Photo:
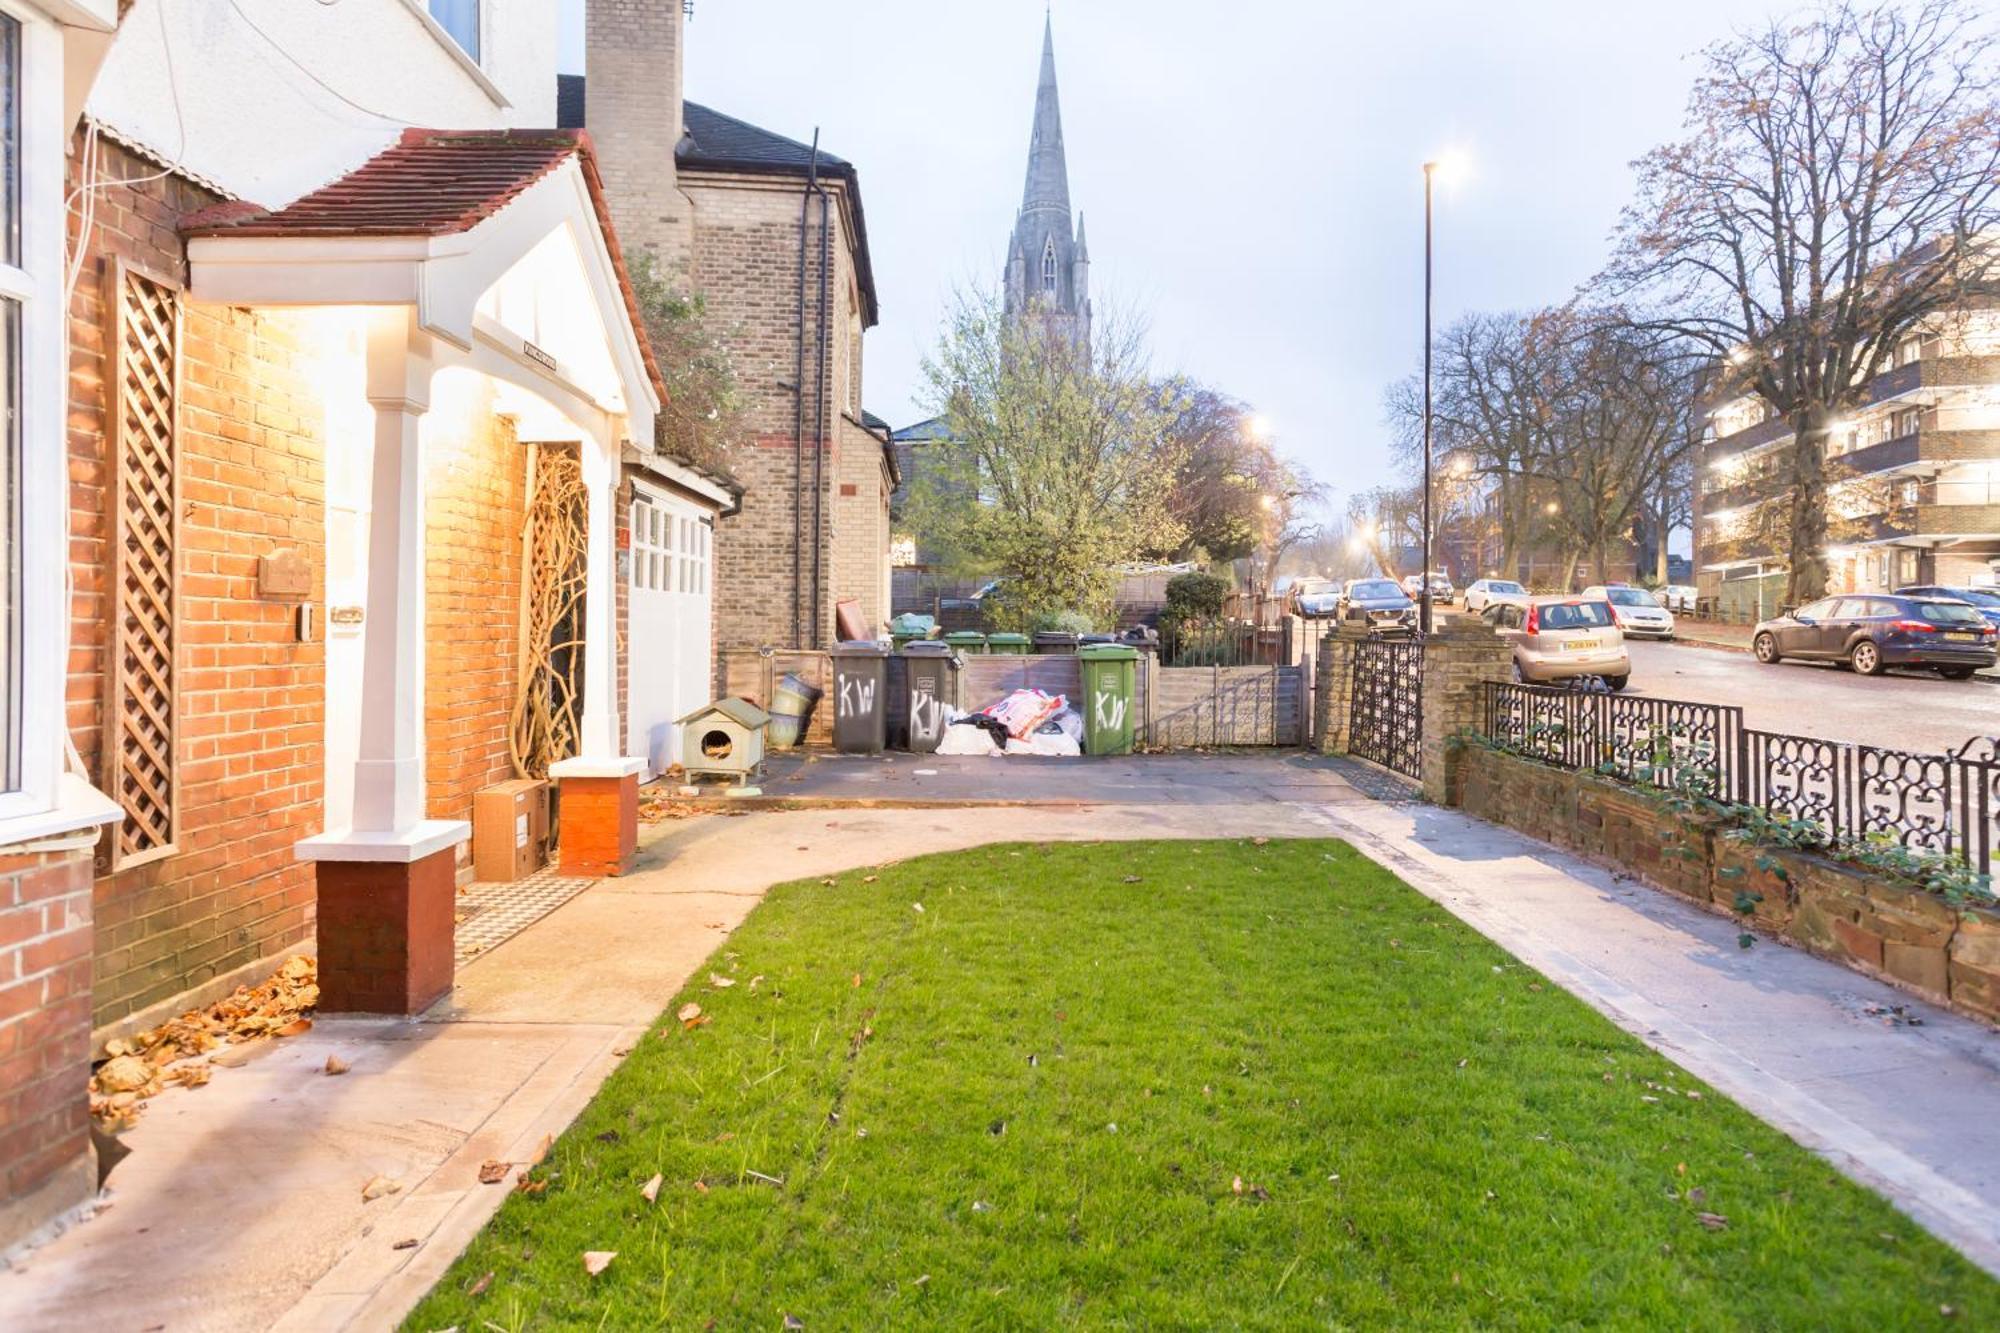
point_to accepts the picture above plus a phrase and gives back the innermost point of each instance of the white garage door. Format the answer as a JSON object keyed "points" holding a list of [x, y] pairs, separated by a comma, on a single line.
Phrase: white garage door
{"points": [[669, 619]]}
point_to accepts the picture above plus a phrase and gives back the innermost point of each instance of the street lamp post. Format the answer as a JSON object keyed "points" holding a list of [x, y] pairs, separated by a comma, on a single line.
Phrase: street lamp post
{"points": [[1424, 571]]}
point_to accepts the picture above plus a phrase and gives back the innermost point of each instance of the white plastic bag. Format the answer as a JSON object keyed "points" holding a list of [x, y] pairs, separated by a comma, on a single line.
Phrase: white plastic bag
{"points": [[967, 740]]}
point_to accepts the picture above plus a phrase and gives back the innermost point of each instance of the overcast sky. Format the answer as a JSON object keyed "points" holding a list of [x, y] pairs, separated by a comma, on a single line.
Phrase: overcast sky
{"points": [[1251, 172]]}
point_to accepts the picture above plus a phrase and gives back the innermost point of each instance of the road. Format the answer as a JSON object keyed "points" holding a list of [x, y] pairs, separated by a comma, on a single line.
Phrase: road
{"points": [[1904, 711]]}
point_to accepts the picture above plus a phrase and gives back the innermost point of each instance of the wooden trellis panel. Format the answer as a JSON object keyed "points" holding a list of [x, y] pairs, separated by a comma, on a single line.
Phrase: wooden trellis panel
{"points": [[142, 388]]}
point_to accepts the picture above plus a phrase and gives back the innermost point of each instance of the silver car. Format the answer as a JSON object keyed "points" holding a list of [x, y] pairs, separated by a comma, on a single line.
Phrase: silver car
{"points": [[1638, 612], [1563, 639], [1491, 592]]}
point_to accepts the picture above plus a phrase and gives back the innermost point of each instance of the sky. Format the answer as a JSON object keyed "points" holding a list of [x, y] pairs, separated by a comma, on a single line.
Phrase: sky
{"points": [[1251, 173]]}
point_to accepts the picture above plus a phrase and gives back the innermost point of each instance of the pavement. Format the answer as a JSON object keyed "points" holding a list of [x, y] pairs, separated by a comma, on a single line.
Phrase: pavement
{"points": [[241, 1208]]}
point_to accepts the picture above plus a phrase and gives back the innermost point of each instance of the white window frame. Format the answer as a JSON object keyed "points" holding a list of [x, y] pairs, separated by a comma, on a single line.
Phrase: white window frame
{"points": [[421, 11], [47, 801]]}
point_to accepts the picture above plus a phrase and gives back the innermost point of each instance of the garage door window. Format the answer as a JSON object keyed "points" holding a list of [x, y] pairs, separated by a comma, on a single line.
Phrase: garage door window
{"points": [[692, 544], [652, 551]]}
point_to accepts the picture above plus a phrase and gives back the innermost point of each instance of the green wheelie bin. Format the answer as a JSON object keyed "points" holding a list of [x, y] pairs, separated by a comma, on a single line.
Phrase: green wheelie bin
{"points": [[1110, 696]]}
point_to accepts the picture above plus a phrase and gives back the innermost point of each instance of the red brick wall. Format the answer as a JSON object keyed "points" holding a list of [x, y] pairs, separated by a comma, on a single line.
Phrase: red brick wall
{"points": [[251, 696], [474, 504], [44, 1024]]}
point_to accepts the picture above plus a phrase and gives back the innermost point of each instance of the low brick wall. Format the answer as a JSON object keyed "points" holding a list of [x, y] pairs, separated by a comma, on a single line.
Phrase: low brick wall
{"points": [[1916, 940]]}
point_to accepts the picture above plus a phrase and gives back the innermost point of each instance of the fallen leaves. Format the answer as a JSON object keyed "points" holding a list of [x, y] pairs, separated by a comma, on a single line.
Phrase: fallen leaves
{"points": [[334, 1065], [596, 1261], [479, 1288], [141, 1065], [1713, 1221], [721, 982], [690, 1016], [493, 1171], [378, 1186], [1243, 1191], [650, 1191]]}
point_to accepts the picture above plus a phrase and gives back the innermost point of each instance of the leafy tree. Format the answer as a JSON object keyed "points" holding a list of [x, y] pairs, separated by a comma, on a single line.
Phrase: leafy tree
{"points": [[1053, 475], [1837, 193], [702, 419], [1196, 596], [1234, 496]]}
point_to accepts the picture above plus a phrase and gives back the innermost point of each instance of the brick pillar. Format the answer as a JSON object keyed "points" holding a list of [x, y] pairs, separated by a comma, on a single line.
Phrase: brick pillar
{"points": [[600, 822], [1459, 658], [46, 1167], [1333, 697], [386, 933]]}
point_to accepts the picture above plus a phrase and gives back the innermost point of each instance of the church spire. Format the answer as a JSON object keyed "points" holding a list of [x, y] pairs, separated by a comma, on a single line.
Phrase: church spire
{"points": [[1047, 265], [1048, 172]]}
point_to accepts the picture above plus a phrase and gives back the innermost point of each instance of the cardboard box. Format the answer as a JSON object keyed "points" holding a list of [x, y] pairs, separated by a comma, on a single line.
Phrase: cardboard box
{"points": [[510, 830]]}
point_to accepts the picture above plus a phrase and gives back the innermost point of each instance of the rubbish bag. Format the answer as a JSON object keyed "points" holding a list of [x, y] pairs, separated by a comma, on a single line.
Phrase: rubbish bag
{"points": [[1024, 710], [967, 739]]}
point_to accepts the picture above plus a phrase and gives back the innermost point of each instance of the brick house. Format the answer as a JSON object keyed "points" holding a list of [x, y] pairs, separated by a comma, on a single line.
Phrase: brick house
{"points": [[771, 233], [319, 369]]}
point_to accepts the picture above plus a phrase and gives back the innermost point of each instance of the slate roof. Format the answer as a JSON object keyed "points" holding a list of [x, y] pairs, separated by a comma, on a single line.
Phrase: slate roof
{"points": [[714, 141], [436, 183]]}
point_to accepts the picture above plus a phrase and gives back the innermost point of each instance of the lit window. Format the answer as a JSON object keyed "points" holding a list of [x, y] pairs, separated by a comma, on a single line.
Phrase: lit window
{"points": [[460, 18]]}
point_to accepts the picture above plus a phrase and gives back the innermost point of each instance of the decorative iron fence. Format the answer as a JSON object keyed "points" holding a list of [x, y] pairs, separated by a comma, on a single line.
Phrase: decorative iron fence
{"points": [[1386, 711], [1948, 804]]}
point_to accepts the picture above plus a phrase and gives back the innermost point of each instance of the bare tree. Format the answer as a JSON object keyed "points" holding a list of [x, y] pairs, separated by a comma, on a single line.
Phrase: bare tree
{"points": [[1835, 194]]}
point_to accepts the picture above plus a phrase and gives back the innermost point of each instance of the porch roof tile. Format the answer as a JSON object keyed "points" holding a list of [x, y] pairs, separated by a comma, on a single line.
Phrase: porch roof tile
{"points": [[436, 183]]}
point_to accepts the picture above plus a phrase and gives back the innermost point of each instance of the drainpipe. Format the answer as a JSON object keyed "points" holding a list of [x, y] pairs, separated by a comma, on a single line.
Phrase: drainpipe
{"points": [[799, 403], [819, 398]]}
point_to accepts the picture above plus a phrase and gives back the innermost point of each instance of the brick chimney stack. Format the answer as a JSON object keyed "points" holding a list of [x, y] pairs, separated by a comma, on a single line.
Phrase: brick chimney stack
{"points": [[632, 107]]}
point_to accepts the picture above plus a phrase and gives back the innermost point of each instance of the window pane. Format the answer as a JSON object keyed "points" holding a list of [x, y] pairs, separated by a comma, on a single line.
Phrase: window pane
{"points": [[10, 546], [10, 140], [460, 18]]}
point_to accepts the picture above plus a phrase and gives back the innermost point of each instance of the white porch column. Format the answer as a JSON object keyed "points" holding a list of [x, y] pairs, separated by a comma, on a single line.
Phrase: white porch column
{"points": [[388, 821], [599, 789], [389, 775], [601, 739]]}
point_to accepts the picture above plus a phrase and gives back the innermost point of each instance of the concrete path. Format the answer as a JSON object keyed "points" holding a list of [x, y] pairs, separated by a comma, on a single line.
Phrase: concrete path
{"points": [[241, 1205]]}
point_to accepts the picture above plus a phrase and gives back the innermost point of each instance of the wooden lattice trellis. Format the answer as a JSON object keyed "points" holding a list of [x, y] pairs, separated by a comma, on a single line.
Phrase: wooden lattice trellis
{"points": [[140, 711], [548, 710]]}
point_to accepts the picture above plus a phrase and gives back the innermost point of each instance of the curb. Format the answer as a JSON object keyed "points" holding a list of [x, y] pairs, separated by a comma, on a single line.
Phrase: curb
{"points": [[709, 805]]}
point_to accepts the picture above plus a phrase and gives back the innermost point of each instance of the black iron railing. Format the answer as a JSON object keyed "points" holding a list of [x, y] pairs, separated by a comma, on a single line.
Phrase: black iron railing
{"points": [[1948, 804]]}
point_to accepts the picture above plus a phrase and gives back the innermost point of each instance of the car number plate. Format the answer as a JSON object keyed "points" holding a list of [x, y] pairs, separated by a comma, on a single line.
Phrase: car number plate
{"points": [[1961, 636], [1582, 646]]}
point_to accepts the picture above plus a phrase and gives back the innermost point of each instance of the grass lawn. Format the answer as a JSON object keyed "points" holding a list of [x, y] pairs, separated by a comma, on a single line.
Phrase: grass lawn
{"points": [[1171, 1085]]}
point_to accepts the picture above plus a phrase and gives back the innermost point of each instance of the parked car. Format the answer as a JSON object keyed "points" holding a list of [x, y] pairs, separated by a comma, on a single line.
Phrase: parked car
{"points": [[1562, 639], [1441, 589], [1489, 592], [1986, 600], [1638, 612], [1679, 598], [1315, 599], [1380, 605], [1873, 631]]}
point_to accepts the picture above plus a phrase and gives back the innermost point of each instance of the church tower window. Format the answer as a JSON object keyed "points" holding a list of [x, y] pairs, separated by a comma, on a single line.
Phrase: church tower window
{"points": [[1049, 264]]}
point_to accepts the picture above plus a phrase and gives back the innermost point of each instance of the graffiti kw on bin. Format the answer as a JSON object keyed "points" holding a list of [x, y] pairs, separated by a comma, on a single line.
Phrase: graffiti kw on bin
{"points": [[857, 697], [927, 715], [1109, 707]]}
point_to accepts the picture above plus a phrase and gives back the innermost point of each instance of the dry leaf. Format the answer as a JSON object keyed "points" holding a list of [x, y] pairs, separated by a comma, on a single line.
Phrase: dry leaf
{"points": [[479, 1288], [701, 1187], [492, 1172], [409, 1244], [869, 879], [918, 906], [335, 1065], [295, 1028], [651, 1189], [793, 1321], [689, 1015], [1259, 842], [756, 981], [857, 981], [596, 1261], [1713, 1221], [378, 1186], [126, 1073], [523, 1185], [1131, 879], [721, 983]]}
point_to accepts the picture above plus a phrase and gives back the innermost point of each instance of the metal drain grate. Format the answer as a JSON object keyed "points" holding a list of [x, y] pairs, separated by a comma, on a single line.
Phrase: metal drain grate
{"points": [[495, 913]]}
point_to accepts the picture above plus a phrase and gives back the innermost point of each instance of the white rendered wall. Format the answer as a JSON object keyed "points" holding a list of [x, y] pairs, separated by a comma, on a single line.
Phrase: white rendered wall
{"points": [[255, 123]]}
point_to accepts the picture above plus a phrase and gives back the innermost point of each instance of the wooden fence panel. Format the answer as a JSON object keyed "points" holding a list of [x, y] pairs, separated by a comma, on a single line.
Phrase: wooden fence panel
{"points": [[1202, 706]]}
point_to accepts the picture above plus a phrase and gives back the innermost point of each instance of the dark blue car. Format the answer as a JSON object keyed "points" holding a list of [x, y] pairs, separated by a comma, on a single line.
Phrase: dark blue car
{"points": [[1873, 631], [1987, 600]]}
